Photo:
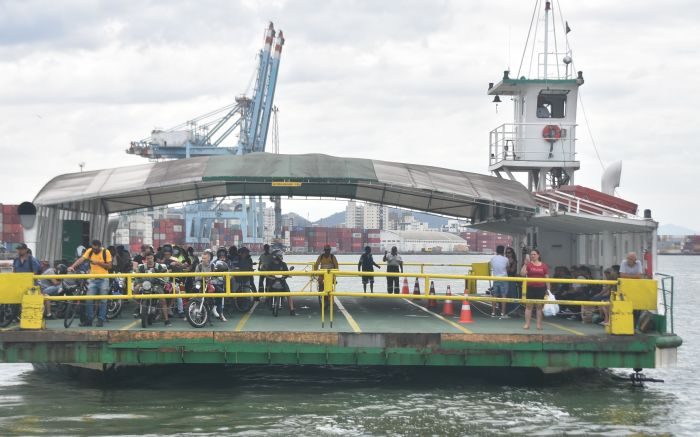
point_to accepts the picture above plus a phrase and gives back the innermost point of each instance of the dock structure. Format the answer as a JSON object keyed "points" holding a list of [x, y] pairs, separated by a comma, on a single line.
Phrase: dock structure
{"points": [[366, 332]]}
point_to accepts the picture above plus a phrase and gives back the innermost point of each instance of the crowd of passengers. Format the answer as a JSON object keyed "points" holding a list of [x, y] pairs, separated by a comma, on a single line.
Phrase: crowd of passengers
{"points": [[169, 258], [505, 264], [172, 258]]}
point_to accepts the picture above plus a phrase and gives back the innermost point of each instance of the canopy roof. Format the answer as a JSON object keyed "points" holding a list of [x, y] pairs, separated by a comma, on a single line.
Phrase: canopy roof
{"points": [[418, 187]]}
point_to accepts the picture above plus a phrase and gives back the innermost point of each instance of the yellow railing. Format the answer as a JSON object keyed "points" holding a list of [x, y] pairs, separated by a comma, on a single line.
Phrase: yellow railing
{"points": [[628, 287]]}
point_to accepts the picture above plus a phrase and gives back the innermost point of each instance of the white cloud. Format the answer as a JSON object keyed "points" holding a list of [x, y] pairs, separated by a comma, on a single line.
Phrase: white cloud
{"points": [[385, 80]]}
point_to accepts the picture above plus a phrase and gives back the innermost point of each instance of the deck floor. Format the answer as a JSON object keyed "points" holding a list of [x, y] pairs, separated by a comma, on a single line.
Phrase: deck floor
{"points": [[357, 315]]}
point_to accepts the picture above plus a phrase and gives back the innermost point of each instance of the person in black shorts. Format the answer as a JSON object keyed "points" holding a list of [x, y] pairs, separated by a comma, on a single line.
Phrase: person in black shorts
{"points": [[367, 264]]}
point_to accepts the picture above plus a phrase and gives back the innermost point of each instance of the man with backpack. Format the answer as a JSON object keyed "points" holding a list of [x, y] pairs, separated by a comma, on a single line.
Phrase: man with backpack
{"points": [[100, 261]]}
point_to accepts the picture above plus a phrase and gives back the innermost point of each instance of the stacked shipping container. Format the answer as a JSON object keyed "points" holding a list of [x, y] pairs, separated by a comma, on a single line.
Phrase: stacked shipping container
{"points": [[10, 229], [168, 231]]}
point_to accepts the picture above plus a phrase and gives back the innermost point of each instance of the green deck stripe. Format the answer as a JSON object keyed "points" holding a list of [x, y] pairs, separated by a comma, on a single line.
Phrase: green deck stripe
{"points": [[244, 319], [449, 322]]}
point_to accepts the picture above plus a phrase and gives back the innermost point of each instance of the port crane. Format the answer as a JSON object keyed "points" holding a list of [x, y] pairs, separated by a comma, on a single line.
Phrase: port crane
{"points": [[206, 135]]}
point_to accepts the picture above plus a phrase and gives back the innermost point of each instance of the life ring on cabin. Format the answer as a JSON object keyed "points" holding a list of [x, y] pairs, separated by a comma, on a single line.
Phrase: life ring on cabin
{"points": [[551, 133]]}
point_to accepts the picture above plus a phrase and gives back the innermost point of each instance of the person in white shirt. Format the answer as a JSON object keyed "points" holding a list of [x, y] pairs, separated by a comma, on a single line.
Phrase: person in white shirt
{"points": [[394, 264], [631, 267], [499, 268]]}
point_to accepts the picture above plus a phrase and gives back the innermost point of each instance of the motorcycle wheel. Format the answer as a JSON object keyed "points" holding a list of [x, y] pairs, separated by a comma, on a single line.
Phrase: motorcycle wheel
{"points": [[69, 315], [197, 314], [243, 304], [114, 308], [143, 311]]}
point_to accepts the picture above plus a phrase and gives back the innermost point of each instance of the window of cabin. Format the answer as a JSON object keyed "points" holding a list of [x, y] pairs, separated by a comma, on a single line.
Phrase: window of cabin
{"points": [[551, 106]]}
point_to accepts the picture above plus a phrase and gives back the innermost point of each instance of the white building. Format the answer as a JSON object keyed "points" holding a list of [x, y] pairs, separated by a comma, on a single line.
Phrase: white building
{"points": [[423, 241], [455, 226], [354, 215], [376, 216], [409, 223], [268, 224]]}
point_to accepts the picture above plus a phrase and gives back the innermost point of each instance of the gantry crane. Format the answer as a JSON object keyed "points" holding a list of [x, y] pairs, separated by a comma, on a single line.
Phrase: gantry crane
{"points": [[205, 135]]}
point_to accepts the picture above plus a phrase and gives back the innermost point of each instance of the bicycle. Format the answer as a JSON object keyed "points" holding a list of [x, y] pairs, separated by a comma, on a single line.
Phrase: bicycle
{"points": [[75, 308]]}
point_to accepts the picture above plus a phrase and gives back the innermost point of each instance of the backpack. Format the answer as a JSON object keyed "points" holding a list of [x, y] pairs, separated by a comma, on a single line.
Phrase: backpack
{"points": [[104, 257]]}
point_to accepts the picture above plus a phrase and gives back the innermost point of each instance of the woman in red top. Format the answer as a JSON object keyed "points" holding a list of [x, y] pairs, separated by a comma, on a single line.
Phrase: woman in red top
{"points": [[535, 268]]}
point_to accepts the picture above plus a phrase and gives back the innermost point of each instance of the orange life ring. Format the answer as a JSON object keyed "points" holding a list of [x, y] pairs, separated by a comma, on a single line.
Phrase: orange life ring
{"points": [[551, 133]]}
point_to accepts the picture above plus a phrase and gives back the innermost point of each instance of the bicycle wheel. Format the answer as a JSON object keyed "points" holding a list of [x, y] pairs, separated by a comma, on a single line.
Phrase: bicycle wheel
{"points": [[69, 315]]}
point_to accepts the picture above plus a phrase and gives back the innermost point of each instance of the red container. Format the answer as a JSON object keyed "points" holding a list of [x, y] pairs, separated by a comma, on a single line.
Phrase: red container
{"points": [[8, 219], [9, 209]]}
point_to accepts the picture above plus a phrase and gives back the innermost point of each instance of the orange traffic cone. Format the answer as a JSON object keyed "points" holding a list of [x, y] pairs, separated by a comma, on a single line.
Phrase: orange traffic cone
{"points": [[448, 309], [404, 289], [432, 303], [416, 289], [466, 315]]}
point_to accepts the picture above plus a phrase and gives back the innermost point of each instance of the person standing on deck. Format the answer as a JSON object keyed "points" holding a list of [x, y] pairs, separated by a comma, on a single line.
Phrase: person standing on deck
{"points": [[325, 261], [263, 263], [367, 264], [499, 268], [100, 261], [631, 267], [535, 268], [394, 264]]}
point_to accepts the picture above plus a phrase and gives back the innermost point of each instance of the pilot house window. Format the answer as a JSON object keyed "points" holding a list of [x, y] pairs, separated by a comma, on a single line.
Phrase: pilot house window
{"points": [[551, 106]]}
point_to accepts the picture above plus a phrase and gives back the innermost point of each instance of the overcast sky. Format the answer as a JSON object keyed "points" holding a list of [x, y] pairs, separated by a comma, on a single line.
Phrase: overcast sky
{"points": [[394, 80]]}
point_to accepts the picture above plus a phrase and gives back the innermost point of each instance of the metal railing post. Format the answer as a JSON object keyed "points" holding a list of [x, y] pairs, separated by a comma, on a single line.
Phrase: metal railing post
{"points": [[328, 289]]}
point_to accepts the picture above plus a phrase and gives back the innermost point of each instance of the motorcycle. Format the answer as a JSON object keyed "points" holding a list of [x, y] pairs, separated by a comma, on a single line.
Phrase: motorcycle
{"points": [[114, 306], [277, 284], [240, 304], [199, 309], [149, 309]]}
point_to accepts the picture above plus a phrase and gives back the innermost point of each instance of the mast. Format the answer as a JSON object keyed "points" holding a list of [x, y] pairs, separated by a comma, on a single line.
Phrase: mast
{"points": [[547, 8]]}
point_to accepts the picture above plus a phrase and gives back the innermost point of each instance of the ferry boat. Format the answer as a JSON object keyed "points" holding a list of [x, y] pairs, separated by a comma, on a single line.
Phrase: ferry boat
{"points": [[571, 224]]}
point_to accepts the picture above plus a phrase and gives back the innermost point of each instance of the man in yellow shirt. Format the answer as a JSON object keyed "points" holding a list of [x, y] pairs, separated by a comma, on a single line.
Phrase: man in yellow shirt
{"points": [[100, 262]]}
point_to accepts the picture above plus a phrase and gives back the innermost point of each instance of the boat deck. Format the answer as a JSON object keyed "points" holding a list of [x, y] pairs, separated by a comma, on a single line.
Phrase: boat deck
{"points": [[365, 332], [356, 315]]}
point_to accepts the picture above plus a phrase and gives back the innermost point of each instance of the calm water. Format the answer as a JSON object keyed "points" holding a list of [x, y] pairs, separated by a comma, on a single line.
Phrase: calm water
{"points": [[319, 401]]}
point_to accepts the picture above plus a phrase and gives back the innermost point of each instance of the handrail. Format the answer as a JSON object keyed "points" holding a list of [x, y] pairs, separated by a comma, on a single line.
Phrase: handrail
{"points": [[668, 306], [329, 279]]}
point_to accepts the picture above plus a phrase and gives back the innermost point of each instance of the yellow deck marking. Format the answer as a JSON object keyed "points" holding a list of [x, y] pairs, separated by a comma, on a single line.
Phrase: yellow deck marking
{"points": [[130, 325], [246, 316], [564, 328], [353, 324], [449, 322], [9, 328]]}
